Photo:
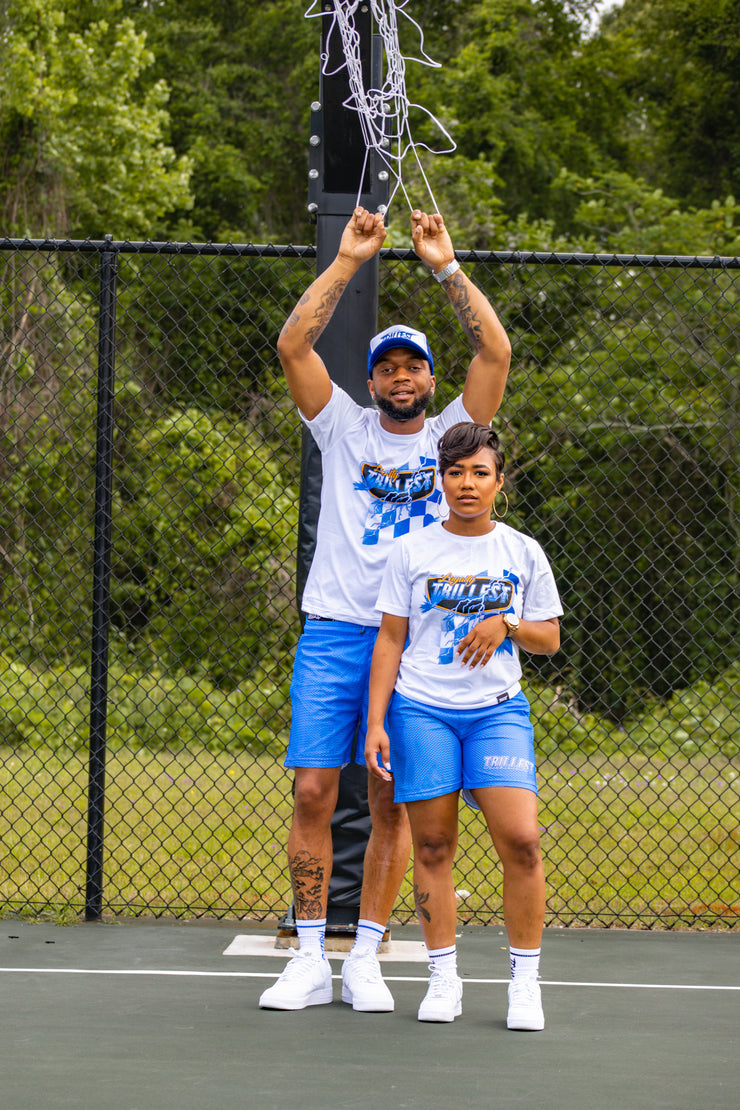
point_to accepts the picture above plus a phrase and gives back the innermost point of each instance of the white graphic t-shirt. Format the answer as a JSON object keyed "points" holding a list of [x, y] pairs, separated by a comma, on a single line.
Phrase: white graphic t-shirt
{"points": [[377, 486], [445, 584]]}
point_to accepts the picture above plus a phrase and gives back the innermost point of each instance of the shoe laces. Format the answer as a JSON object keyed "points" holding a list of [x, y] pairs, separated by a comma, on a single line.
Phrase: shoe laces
{"points": [[441, 983], [525, 990], [366, 968], [300, 964]]}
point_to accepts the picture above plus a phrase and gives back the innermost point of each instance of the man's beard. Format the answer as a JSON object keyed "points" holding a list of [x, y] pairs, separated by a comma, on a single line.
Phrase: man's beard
{"points": [[408, 412]]}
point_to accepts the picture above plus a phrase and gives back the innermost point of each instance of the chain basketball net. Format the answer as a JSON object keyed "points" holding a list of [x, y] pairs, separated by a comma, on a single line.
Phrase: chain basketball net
{"points": [[383, 112]]}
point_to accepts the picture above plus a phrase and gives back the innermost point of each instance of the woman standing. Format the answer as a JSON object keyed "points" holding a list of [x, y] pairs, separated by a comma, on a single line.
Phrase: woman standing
{"points": [[469, 593]]}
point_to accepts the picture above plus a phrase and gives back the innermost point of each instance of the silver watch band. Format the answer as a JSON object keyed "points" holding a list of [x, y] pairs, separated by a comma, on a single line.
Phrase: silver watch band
{"points": [[450, 269]]}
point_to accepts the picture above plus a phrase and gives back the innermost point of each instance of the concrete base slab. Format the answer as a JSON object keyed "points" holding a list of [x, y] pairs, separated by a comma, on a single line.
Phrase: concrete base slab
{"points": [[255, 944]]}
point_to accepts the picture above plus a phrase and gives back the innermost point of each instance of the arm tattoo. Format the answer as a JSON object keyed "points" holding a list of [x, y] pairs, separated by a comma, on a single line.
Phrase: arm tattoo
{"points": [[459, 298], [322, 312], [295, 315], [307, 876], [421, 897]]}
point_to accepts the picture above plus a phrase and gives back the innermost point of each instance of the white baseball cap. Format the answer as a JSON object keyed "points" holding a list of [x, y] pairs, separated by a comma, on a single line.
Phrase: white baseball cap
{"points": [[397, 335]]}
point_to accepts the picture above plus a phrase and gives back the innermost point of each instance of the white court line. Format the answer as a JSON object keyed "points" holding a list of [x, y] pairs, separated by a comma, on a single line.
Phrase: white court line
{"points": [[630, 986], [388, 978]]}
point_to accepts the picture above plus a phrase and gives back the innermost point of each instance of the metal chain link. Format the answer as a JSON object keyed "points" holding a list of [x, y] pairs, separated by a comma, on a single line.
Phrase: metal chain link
{"points": [[620, 424]]}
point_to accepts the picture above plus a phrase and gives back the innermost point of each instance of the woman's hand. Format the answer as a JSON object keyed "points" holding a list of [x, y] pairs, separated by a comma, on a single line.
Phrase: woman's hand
{"points": [[377, 744], [478, 646], [536, 637]]}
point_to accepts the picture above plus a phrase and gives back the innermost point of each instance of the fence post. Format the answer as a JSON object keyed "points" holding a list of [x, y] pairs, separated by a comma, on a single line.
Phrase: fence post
{"points": [[101, 583]]}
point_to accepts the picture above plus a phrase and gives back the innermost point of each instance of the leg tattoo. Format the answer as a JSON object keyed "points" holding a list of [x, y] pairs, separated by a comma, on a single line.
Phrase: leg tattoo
{"points": [[307, 876], [421, 897]]}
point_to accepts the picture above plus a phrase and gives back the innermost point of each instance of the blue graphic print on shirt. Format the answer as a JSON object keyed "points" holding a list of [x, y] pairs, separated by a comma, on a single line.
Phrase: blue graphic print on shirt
{"points": [[400, 498], [467, 600]]}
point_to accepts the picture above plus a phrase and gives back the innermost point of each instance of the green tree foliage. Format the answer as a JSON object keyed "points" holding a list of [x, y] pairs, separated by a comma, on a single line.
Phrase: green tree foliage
{"points": [[622, 415], [47, 345], [113, 112], [204, 528], [82, 136], [682, 75], [619, 213], [203, 330], [526, 94], [242, 75], [530, 94]]}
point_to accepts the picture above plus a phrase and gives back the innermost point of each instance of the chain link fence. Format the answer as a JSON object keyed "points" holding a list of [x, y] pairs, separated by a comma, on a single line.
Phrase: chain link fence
{"points": [[154, 746]]}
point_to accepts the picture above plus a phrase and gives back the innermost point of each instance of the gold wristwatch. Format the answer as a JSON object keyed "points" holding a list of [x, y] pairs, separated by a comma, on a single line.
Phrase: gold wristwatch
{"points": [[511, 620]]}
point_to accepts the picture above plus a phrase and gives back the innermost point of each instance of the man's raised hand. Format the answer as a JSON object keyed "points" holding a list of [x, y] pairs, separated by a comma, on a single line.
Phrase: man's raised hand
{"points": [[363, 236], [431, 240]]}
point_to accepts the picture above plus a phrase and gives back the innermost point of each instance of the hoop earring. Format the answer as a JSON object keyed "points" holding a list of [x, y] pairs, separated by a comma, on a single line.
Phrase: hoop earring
{"points": [[501, 516]]}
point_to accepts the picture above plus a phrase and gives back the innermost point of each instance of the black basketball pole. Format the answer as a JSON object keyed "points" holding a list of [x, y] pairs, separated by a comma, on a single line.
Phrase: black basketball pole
{"points": [[337, 157]]}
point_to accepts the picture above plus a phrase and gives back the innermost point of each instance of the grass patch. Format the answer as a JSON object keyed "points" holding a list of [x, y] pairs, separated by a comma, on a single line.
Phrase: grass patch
{"points": [[185, 832], [638, 824]]}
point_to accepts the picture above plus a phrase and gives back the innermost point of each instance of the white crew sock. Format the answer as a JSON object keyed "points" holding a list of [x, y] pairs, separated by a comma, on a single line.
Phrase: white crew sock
{"points": [[444, 959], [525, 962], [311, 935], [368, 937]]}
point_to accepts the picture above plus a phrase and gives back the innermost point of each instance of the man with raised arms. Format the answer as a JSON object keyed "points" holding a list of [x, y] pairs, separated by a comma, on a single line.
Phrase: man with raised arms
{"points": [[379, 483]]}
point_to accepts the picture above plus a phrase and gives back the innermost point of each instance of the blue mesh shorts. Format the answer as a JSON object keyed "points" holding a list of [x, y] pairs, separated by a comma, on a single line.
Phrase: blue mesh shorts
{"points": [[436, 751], [328, 694]]}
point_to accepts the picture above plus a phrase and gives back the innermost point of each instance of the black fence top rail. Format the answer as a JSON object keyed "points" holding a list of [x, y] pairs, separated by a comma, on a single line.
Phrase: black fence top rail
{"points": [[147, 246], [273, 250]]}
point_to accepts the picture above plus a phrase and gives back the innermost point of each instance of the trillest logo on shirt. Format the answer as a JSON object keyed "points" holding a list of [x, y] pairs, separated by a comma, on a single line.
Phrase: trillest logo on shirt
{"points": [[470, 593], [402, 498], [398, 485], [467, 599]]}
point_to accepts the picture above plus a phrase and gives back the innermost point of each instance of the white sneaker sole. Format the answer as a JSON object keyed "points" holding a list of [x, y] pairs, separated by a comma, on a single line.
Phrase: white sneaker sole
{"points": [[524, 1025], [439, 1015], [379, 1006], [320, 997]]}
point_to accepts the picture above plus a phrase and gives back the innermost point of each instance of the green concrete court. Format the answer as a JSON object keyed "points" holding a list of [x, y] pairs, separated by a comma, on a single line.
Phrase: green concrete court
{"points": [[148, 1016]]}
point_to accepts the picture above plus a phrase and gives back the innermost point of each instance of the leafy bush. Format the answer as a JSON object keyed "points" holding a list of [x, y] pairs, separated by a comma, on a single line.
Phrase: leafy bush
{"points": [[560, 726], [203, 547], [146, 710], [159, 708], [705, 719], [701, 720]]}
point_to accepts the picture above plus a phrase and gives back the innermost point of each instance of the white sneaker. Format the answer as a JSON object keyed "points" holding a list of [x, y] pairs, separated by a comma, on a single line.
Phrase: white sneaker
{"points": [[363, 986], [525, 1005], [306, 981], [443, 1001]]}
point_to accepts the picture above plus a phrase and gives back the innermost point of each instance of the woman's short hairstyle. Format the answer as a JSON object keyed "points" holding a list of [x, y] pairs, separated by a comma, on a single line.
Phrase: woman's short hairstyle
{"points": [[465, 439]]}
